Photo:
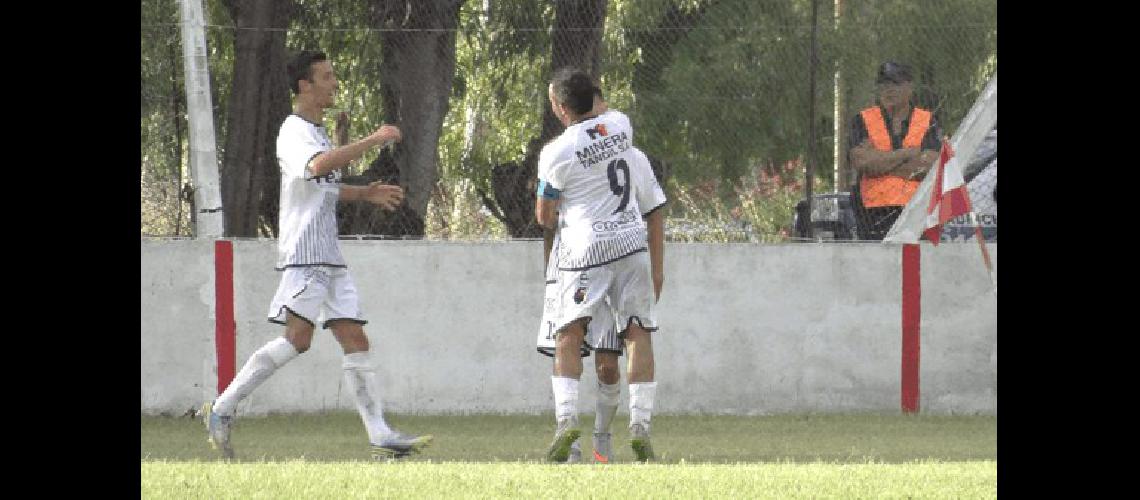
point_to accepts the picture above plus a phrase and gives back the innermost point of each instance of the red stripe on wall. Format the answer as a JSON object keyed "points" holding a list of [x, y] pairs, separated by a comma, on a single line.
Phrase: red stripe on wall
{"points": [[224, 325], [911, 306]]}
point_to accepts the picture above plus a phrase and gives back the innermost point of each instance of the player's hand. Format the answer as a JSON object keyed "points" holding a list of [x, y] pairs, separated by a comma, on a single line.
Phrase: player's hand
{"points": [[388, 196], [658, 280], [386, 134]]}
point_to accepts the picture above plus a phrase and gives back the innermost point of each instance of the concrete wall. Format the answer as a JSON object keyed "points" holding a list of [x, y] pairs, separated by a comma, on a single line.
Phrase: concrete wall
{"points": [[746, 329]]}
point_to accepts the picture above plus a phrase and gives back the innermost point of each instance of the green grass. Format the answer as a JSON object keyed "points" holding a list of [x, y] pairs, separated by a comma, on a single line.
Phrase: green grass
{"points": [[493, 456]]}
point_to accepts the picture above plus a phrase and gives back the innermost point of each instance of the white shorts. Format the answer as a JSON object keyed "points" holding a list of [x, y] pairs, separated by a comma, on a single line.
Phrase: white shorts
{"points": [[625, 286], [316, 294], [601, 331]]}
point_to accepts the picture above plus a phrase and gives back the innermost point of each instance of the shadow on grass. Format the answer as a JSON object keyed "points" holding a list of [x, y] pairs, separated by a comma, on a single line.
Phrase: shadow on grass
{"points": [[830, 438]]}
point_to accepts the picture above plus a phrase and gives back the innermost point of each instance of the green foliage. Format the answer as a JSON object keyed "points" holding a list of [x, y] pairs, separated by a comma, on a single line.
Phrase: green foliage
{"points": [[951, 45], [756, 207], [736, 92], [496, 108], [729, 89], [163, 130], [455, 212], [343, 31]]}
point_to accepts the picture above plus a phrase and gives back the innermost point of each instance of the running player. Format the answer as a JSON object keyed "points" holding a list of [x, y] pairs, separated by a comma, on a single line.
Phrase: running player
{"points": [[315, 284]]}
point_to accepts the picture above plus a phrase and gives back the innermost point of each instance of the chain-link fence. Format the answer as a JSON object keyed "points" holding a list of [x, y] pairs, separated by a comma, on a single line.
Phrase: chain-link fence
{"points": [[745, 106]]}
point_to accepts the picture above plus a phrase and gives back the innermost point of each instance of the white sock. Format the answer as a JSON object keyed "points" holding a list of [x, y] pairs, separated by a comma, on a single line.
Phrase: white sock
{"points": [[257, 369], [641, 403], [360, 376], [565, 397], [606, 407]]}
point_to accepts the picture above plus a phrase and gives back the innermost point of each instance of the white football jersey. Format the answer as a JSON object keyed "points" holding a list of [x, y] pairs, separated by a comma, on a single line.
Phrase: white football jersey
{"points": [[606, 186], [307, 219]]}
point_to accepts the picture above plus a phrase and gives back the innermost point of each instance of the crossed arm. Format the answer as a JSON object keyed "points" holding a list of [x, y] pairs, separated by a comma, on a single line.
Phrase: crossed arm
{"points": [[905, 162]]}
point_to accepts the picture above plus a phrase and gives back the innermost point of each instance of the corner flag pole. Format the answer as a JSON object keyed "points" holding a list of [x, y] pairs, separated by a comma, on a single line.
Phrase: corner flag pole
{"points": [[982, 245]]}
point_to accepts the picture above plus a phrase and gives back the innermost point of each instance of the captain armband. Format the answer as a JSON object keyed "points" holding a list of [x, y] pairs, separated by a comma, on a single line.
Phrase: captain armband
{"points": [[545, 190]]}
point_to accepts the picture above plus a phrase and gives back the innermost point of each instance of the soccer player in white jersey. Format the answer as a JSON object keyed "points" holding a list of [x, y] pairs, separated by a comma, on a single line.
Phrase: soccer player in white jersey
{"points": [[602, 197], [315, 285], [601, 337]]}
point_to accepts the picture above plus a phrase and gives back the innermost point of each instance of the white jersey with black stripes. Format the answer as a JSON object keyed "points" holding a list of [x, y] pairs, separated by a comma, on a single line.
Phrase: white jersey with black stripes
{"points": [[605, 186], [307, 218]]}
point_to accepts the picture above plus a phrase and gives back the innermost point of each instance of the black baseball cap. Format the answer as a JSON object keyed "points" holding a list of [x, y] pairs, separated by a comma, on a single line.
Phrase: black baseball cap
{"points": [[894, 72]]}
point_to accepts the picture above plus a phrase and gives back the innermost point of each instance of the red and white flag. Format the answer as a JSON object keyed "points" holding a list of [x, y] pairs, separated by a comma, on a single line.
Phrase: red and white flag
{"points": [[948, 202], [937, 200]]}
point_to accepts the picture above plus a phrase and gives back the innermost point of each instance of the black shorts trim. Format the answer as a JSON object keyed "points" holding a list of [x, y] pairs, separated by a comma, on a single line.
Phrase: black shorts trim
{"points": [[591, 266], [287, 308], [354, 320], [549, 351], [621, 334], [287, 266], [309, 162]]}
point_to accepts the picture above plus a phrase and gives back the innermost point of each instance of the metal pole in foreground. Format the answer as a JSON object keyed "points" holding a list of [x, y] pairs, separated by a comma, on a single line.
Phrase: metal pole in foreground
{"points": [[209, 221], [809, 171]]}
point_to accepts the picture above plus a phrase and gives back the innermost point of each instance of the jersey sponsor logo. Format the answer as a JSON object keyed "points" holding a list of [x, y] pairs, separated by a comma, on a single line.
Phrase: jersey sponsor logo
{"points": [[603, 149], [331, 178], [626, 220], [583, 282], [600, 129]]}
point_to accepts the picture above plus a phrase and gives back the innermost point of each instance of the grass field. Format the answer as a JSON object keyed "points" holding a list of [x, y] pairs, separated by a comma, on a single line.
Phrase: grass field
{"points": [[492, 456]]}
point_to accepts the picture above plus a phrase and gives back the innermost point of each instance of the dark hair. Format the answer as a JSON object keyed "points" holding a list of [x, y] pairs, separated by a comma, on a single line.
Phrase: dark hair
{"points": [[300, 67], [574, 88]]}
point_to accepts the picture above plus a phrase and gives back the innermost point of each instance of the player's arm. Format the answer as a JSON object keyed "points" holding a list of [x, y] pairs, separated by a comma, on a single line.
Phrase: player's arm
{"points": [[655, 223], [549, 193], [546, 205], [387, 196], [650, 199], [547, 244], [333, 159]]}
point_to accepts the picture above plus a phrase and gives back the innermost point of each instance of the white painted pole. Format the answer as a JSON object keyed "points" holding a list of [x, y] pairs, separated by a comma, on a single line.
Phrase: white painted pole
{"points": [[209, 221], [837, 183]]}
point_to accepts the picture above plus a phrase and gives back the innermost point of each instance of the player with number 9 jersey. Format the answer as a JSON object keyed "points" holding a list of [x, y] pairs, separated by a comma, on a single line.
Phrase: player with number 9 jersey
{"points": [[605, 186]]}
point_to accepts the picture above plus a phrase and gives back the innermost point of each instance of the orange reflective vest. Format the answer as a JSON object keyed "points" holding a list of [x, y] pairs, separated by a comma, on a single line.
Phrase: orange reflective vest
{"points": [[891, 190]]}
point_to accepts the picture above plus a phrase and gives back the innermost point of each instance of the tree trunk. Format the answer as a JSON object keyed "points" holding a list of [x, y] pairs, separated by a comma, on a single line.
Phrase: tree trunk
{"points": [[575, 41], [258, 104], [416, 74]]}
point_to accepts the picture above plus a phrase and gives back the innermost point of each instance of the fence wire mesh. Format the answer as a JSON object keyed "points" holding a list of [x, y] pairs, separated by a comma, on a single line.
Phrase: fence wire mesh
{"points": [[744, 106]]}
